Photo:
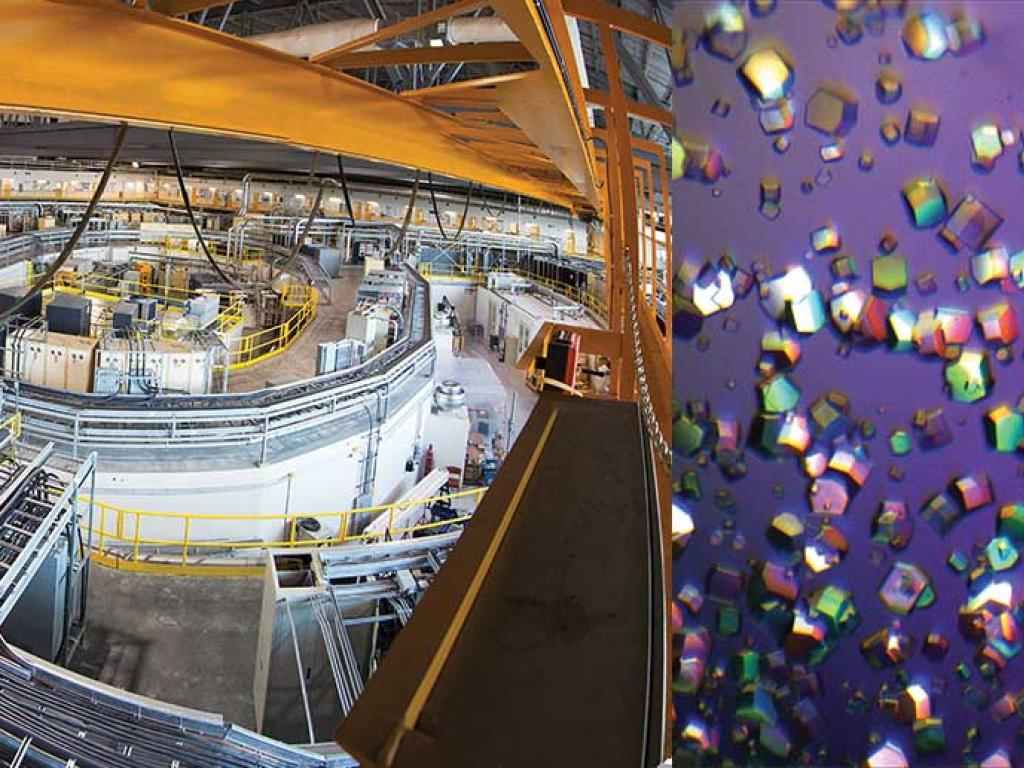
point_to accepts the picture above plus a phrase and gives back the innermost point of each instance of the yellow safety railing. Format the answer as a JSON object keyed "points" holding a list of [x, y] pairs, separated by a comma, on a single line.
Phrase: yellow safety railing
{"points": [[12, 424], [457, 272], [108, 287], [119, 539], [266, 343]]}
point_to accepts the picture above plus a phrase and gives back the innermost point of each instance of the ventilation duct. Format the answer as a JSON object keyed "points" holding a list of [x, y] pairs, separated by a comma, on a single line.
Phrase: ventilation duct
{"points": [[316, 38], [486, 30]]}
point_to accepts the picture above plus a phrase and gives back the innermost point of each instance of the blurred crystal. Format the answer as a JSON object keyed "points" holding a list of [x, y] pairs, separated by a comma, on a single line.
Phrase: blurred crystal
{"points": [[887, 647], [965, 34], [786, 531], [925, 201], [941, 513], [892, 524], [1010, 522], [771, 197], [831, 152], [924, 35], [700, 161], [776, 117], [890, 131], [887, 755], [825, 239], [998, 758], [725, 33], [682, 525], [692, 660], [922, 128], [767, 74], [888, 86]]}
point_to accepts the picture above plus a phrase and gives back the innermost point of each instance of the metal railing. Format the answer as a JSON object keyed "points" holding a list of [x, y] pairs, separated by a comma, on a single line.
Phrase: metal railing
{"points": [[435, 271], [266, 343], [120, 539], [82, 422]]}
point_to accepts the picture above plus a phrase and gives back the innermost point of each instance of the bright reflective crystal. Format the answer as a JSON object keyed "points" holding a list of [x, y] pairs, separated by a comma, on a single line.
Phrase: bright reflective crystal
{"points": [[778, 394], [786, 531], [889, 273], [1004, 428], [808, 314], [986, 146], [969, 377], [831, 110], [767, 74], [846, 310], [924, 35], [836, 606], [713, 290], [956, 324], [990, 266], [999, 322], [887, 755], [682, 525], [972, 491], [925, 200], [825, 239], [922, 128], [725, 33], [901, 329], [970, 225], [784, 350]]}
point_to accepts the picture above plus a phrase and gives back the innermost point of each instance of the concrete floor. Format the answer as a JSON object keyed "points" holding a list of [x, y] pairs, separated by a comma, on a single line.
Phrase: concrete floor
{"points": [[299, 362], [187, 641]]}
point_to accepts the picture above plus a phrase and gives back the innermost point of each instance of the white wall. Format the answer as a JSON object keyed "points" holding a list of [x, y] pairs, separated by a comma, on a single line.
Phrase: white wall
{"points": [[461, 294], [326, 479]]}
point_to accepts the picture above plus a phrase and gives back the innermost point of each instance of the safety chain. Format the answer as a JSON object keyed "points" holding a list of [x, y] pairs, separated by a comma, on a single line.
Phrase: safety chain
{"points": [[662, 447]]}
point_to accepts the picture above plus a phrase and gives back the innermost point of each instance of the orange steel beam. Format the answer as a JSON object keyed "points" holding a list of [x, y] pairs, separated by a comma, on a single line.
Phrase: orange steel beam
{"points": [[179, 7], [464, 85], [631, 23], [635, 108], [400, 28], [466, 52], [143, 68], [547, 108]]}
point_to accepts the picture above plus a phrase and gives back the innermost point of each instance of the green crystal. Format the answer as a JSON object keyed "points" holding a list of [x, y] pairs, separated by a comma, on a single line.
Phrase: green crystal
{"points": [[899, 442]]}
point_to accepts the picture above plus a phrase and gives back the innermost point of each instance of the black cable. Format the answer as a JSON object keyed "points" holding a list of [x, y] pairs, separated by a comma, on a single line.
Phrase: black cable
{"points": [[344, 189], [433, 205], [191, 214], [408, 216], [309, 220], [69, 247], [437, 215]]}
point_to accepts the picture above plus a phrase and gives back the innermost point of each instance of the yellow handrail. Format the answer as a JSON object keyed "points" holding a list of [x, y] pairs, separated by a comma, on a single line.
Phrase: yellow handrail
{"points": [[118, 537], [475, 274], [266, 343]]}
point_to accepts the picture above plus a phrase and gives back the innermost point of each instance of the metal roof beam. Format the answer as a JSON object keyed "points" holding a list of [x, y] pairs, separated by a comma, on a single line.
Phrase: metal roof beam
{"points": [[124, 64]]}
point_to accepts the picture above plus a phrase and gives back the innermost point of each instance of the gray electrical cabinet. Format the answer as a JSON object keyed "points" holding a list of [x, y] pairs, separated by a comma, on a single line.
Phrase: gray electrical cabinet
{"points": [[48, 606]]}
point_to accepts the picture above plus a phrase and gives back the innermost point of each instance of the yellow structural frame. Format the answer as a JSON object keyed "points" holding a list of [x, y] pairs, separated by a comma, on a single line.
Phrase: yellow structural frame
{"points": [[122, 527], [129, 64]]}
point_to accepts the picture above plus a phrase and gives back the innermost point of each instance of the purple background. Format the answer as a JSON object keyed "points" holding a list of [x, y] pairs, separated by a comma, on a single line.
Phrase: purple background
{"points": [[885, 387]]}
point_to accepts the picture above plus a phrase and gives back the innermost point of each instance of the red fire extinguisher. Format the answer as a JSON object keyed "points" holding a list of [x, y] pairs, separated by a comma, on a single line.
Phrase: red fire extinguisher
{"points": [[428, 460]]}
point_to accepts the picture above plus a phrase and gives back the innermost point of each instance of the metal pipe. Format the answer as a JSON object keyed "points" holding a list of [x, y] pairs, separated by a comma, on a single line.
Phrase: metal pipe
{"points": [[310, 40]]}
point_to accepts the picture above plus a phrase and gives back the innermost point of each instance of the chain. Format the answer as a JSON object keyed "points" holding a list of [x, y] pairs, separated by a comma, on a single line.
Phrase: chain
{"points": [[662, 447]]}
